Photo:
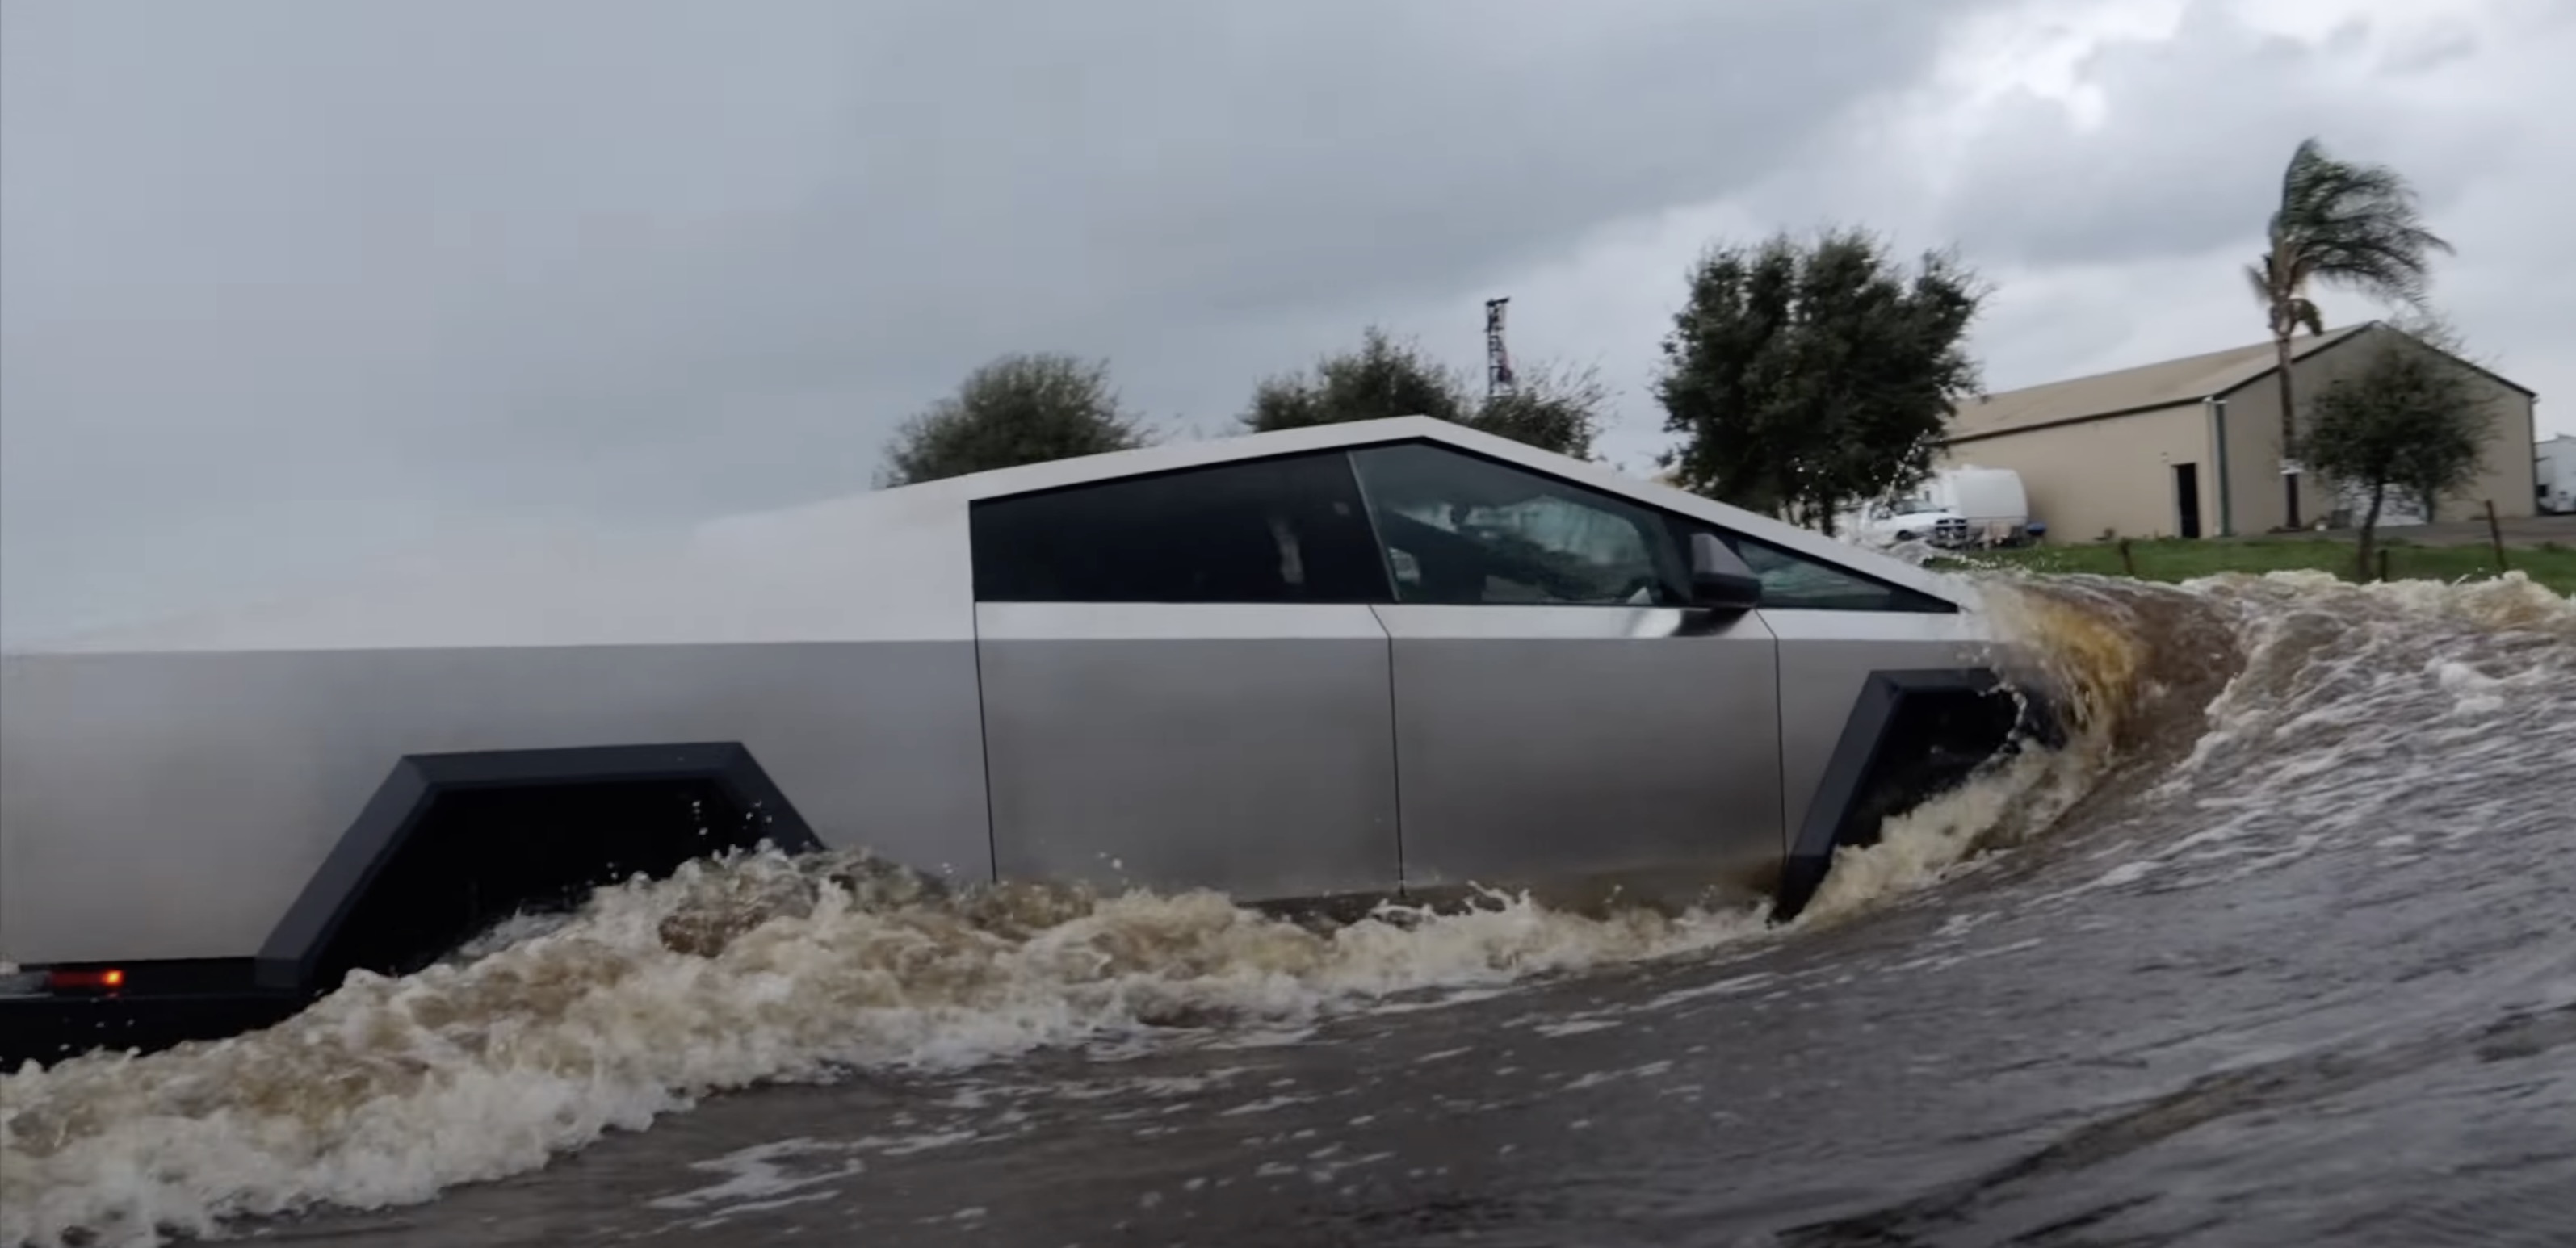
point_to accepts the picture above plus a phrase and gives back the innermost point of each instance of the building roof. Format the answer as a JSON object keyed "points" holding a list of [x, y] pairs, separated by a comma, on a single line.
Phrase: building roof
{"points": [[2141, 389]]}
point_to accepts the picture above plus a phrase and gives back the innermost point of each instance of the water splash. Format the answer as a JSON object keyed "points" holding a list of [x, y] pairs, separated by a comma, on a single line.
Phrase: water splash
{"points": [[756, 969], [2239, 694], [2091, 649], [2415, 715]]}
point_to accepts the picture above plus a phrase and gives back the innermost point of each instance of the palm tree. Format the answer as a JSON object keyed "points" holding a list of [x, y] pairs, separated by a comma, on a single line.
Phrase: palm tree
{"points": [[2339, 224]]}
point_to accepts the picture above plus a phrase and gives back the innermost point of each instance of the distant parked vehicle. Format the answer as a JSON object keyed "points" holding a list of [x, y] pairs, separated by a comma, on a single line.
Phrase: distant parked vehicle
{"points": [[1959, 507], [2554, 472], [2398, 509]]}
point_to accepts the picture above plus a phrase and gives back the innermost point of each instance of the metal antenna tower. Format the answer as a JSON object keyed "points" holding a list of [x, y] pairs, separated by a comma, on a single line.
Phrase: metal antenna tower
{"points": [[1498, 361]]}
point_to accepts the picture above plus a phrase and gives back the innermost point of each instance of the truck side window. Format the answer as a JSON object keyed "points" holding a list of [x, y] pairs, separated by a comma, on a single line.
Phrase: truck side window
{"points": [[1796, 582], [1282, 530], [1460, 529]]}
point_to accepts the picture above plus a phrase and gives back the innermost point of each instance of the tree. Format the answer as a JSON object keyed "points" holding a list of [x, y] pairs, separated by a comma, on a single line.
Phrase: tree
{"points": [[1804, 378], [2410, 420], [1382, 378], [1016, 409], [1552, 409], [2338, 224], [1549, 407], [2435, 330]]}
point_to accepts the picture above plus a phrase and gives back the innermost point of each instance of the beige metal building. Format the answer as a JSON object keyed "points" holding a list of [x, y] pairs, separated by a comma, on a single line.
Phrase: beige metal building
{"points": [[2192, 447]]}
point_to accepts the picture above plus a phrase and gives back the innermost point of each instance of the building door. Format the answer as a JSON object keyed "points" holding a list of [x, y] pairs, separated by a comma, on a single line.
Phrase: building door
{"points": [[2187, 499]]}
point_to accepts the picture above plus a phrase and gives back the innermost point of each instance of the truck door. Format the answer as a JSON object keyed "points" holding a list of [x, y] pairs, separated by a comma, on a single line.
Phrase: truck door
{"points": [[1183, 682], [1560, 713]]}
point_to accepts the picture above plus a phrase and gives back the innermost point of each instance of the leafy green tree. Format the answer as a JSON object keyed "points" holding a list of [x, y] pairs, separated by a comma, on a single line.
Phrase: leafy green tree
{"points": [[1551, 409], [1805, 377], [2344, 224], [2412, 421], [1016, 409], [1382, 378], [2431, 328]]}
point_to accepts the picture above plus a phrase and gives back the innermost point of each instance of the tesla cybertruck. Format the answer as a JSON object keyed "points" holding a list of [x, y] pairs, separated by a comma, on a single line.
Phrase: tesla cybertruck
{"points": [[1370, 660]]}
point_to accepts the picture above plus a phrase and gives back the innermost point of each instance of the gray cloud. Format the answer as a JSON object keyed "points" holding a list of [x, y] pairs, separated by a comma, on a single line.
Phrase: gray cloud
{"points": [[658, 258], [285, 285], [2194, 137], [2123, 241]]}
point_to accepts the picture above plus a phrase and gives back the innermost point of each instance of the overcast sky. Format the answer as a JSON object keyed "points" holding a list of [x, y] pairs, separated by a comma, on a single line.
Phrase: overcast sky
{"points": [[286, 287]]}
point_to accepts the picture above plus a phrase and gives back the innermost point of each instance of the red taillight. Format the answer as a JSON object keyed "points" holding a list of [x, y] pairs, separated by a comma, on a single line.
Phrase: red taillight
{"points": [[108, 980]]}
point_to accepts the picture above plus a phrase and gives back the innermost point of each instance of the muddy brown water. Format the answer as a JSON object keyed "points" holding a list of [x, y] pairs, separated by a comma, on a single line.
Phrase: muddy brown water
{"points": [[2281, 954]]}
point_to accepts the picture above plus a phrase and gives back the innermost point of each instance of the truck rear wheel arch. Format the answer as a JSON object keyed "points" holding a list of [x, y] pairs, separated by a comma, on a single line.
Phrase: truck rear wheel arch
{"points": [[453, 842]]}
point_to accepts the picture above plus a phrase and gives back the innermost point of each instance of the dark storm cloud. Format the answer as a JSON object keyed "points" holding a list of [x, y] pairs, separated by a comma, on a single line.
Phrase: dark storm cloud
{"points": [[262, 261]]}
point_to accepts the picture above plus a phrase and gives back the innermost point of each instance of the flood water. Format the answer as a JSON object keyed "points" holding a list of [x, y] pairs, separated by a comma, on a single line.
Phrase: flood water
{"points": [[2282, 950]]}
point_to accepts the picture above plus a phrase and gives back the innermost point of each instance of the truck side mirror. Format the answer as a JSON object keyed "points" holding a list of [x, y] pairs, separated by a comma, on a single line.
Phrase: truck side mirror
{"points": [[1720, 579]]}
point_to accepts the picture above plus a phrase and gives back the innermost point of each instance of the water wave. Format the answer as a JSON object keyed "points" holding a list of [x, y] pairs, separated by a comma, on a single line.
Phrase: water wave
{"points": [[756, 969], [2407, 715]]}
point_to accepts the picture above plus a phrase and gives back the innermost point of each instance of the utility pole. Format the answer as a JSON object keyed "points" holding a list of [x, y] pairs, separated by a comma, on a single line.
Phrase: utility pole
{"points": [[1498, 361]]}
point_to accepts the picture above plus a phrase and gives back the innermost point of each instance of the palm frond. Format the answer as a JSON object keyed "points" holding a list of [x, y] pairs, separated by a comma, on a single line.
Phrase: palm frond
{"points": [[2258, 275], [2356, 226]]}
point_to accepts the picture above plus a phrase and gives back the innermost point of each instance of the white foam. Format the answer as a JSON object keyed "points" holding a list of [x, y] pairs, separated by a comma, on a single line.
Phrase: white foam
{"points": [[1727, 987], [760, 1178], [2125, 874], [388, 1091]]}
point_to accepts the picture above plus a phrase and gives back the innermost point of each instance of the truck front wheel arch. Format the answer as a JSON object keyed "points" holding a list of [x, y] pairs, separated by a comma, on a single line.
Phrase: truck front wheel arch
{"points": [[1911, 736]]}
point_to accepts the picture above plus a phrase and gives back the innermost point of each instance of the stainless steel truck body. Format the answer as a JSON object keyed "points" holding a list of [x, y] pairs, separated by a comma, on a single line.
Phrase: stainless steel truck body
{"points": [[1364, 659]]}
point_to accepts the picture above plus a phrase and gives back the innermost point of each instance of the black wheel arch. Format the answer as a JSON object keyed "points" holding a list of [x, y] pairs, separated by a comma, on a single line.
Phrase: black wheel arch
{"points": [[384, 885], [1911, 735]]}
